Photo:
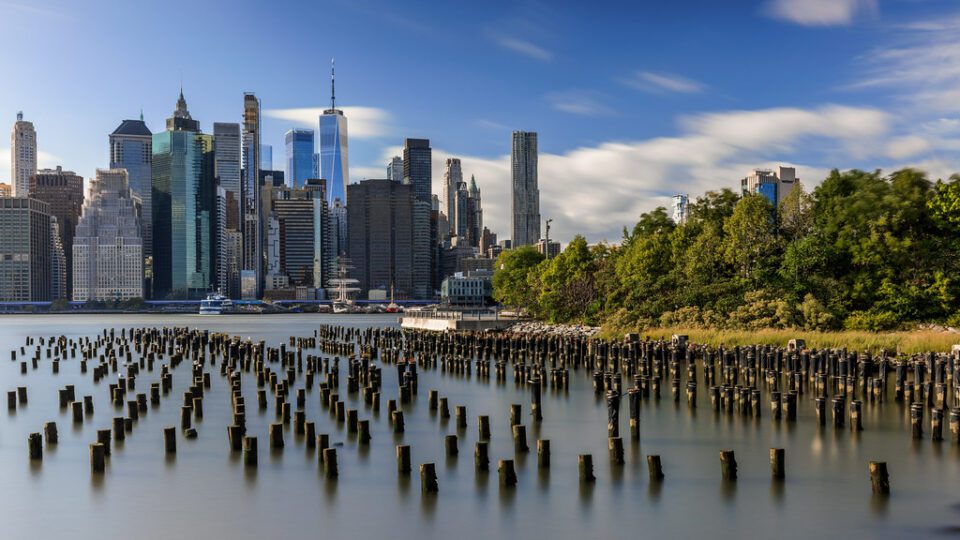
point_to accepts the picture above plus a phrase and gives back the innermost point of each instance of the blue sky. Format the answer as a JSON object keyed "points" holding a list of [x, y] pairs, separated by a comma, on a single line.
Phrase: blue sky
{"points": [[633, 101]]}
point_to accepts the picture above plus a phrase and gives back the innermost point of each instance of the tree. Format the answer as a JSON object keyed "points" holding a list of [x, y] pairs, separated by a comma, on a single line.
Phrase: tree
{"points": [[796, 213], [751, 244], [511, 284]]}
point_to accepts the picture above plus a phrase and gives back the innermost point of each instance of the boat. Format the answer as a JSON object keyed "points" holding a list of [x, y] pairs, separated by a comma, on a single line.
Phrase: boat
{"points": [[344, 286], [215, 304], [392, 307]]}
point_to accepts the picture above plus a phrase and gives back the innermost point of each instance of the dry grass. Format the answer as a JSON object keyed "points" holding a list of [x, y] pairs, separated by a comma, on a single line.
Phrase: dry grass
{"points": [[907, 342]]}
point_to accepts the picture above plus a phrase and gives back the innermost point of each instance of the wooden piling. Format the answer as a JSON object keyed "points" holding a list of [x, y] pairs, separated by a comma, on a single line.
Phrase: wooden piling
{"points": [[654, 467], [97, 460], [777, 465], [403, 459], [450, 445], [330, 463], [35, 445], [397, 421], [103, 437], [615, 448], [520, 439], [170, 440], [507, 473], [728, 465], [250, 458], [879, 479], [50, 433], [428, 478], [543, 453], [483, 427], [276, 435], [585, 465]]}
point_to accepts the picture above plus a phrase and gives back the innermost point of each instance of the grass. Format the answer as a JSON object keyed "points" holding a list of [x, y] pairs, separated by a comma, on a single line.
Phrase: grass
{"points": [[907, 342]]}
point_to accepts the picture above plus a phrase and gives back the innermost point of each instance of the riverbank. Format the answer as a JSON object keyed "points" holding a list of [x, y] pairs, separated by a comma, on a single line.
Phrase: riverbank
{"points": [[908, 342]]}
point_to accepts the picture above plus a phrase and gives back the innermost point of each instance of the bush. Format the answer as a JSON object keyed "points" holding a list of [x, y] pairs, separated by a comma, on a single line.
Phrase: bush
{"points": [[872, 320], [762, 309], [815, 315]]}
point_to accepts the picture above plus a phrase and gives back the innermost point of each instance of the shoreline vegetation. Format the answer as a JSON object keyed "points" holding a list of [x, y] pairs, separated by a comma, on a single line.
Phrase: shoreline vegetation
{"points": [[866, 261]]}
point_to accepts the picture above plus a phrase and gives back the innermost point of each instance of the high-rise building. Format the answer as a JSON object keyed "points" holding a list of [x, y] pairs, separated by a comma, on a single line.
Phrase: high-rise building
{"points": [[184, 209], [266, 157], [300, 217], [418, 167], [383, 249], [23, 155], [300, 150], [253, 225], [460, 216], [452, 178], [525, 207], [395, 169], [5, 190], [334, 166], [108, 248], [475, 209], [548, 248], [775, 185], [131, 148], [316, 165], [226, 143], [25, 250], [63, 191], [681, 208], [338, 228]]}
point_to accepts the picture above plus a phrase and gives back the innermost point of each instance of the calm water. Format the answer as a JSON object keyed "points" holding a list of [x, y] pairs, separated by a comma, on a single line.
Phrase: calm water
{"points": [[204, 492]]}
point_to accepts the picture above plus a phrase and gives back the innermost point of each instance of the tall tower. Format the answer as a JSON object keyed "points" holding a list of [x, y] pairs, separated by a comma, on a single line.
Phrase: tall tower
{"points": [[23, 155], [299, 146], [525, 207], [395, 169], [418, 167], [452, 177], [334, 166], [131, 149], [226, 144], [253, 255], [63, 191]]}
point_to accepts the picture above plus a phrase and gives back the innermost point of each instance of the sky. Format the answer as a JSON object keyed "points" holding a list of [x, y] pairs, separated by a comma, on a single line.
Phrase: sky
{"points": [[633, 101]]}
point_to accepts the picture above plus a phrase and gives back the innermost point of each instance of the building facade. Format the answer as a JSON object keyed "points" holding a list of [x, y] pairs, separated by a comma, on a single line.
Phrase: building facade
{"points": [[525, 207], [131, 148], [63, 191], [395, 169], [108, 248], [184, 209], [252, 219], [23, 155], [25, 250], [418, 167], [58, 263], [452, 178], [680, 204], [226, 144], [334, 162], [300, 148], [775, 185]]}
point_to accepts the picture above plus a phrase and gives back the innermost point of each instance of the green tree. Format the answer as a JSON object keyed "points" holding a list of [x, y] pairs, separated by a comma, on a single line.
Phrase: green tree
{"points": [[751, 244], [511, 283], [796, 213]]}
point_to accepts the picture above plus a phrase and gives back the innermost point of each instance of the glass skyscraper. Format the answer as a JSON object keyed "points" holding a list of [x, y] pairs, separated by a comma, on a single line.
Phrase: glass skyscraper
{"points": [[131, 148], [333, 148], [300, 148]]}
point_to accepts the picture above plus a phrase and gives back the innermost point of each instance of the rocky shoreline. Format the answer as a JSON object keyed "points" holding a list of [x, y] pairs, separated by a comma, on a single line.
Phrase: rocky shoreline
{"points": [[565, 330]]}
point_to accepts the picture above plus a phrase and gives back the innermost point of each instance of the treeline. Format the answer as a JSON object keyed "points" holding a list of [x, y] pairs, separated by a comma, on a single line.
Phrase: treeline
{"points": [[862, 251]]}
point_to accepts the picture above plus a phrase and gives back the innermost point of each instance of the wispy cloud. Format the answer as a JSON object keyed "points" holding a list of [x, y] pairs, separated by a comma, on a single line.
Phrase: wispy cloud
{"points": [[362, 122], [821, 12], [523, 47], [490, 124], [578, 102], [33, 10], [649, 81], [45, 160]]}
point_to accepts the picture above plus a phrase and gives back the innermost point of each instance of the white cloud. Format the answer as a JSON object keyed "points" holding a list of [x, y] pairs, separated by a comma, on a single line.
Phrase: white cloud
{"points": [[523, 47], [598, 190], [32, 9], [906, 146], [821, 12], [45, 160], [662, 82], [578, 102], [362, 122]]}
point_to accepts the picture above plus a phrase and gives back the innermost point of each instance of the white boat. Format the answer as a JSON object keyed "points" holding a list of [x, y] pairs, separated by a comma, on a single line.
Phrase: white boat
{"points": [[215, 304]]}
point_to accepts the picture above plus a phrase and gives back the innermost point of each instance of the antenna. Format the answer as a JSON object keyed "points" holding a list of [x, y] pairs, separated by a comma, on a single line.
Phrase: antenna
{"points": [[333, 88]]}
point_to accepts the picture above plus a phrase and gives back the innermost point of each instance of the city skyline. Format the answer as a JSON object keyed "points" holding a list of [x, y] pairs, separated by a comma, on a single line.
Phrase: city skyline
{"points": [[620, 132]]}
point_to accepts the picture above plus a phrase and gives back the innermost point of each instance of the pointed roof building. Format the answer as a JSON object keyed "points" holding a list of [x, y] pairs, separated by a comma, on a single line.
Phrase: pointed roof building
{"points": [[181, 119]]}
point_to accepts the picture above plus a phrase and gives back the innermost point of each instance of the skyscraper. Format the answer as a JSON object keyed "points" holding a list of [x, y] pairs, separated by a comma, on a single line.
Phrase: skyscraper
{"points": [[395, 169], [475, 213], [131, 148], [525, 207], [63, 191], [25, 250], [334, 167], [58, 263], [452, 178], [774, 185], [226, 143], [266, 157], [418, 167], [108, 248], [23, 155], [300, 149], [253, 226], [184, 208]]}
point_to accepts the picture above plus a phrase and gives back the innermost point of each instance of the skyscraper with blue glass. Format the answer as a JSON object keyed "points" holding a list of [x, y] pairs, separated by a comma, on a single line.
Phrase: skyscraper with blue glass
{"points": [[131, 148], [300, 148], [184, 208], [333, 148]]}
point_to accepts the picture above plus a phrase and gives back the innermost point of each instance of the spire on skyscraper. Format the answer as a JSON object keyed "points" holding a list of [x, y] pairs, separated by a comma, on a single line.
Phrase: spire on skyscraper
{"points": [[333, 88]]}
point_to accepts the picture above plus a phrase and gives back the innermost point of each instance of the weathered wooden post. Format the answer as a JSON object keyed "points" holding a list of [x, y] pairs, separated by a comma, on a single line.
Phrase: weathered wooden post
{"points": [[520, 439], [35, 444], [879, 479], [481, 456], [585, 465], [856, 413], [428, 478], [403, 459], [397, 421], [323, 442], [103, 437], [508, 476], [460, 412], [483, 427], [276, 435], [654, 467], [50, 433], [543, 453], [97, 460], [916, 420], [615, 447], [450, 445], [777, 466], [170, 440], [936, 424], [330, 463], [515, 414], [363, 435], [728, 465], [250, 452]]}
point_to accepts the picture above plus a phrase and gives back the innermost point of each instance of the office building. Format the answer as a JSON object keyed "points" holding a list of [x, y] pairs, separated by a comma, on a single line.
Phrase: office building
{"points": [[23, 156], [681, 208], [418, 167], [108, 247], [383, 248], [298, 225], [252, 218], [466, 290], [63, 192], [58, 263], [266, 157], [548, 248], [525, 207], [226, 144], [395, 169], [184, 209], [300, 150], [452, 178], [131, 148], [25, 250], [6, 190], [775, 185], [334, 167]]}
